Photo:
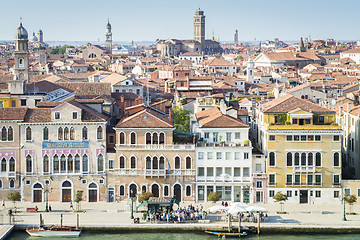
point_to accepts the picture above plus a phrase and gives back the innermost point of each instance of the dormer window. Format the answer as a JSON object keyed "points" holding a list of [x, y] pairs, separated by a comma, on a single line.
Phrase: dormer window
{"points": [[74, 115], [57, 115]]}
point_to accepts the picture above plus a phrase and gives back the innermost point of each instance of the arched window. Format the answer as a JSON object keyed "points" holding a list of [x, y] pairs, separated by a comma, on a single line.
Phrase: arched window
{"points": [[12, 183], [1, 184], [46, 164], [143, 188], [10, 134], [28, 134], [297, 159], [188, 162], [72, 133], [60, 133], [66, 184], [132, 138], [85, 163], [188, 191], [100, 163], [272, 159], [303, 159], [77, 163], [70, 165], [28, 164], [148, 138], [56, 163], [133, 162], [162, 138], [122, 190], [66, 133], [21, 62], [166, 191], [12, 165], [155, 163], [289, 159], [45, 134], [3, 165], [336, 159], [99, 133], [84, 133], [177, 162], [162, 163], [310, 159], [148, 162], [318, 159], [122, 138], [63, 163], [122, 161], [155, 138]]}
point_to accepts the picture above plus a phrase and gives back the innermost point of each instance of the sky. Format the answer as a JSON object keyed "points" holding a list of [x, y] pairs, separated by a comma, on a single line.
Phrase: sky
{"points": [[145, 20]]}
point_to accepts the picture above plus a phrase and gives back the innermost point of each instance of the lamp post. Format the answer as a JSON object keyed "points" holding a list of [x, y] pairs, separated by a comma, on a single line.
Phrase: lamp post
{"points": [[132, 204], [344, 217], [46, 199]]}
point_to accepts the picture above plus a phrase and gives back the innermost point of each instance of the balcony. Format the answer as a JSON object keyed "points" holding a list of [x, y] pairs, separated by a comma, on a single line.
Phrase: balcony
{"points": [[302, 127], [223, 144], [304, 169], [156, 146], [155, 173]]}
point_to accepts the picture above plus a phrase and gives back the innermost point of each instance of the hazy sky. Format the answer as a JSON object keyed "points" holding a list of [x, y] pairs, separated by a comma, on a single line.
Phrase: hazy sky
{"points": [[85, 20]]}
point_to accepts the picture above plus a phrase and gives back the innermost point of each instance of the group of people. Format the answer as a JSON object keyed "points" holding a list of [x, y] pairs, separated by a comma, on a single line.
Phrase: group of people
{"points": [[251, 217], [185, 214]]}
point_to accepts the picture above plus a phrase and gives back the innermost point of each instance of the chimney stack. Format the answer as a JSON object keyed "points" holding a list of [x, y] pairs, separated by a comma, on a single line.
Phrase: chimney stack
{"points": [[348, 107], [223, 107], [340, 111]]}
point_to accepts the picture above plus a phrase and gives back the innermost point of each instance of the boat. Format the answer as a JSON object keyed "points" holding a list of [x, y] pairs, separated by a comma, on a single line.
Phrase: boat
{"points": [[54, 231], [227, 234]]}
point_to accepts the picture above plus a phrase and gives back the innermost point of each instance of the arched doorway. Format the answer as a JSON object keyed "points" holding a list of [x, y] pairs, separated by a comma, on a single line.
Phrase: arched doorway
{"points": [[66, 191], [92, 192], [37, 193], [177, 192], [133, 190], [155, 190]]}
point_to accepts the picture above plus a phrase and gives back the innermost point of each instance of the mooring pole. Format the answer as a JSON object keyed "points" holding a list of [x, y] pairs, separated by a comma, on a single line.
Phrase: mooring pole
{"points": [[258, 224], [77, 221]]}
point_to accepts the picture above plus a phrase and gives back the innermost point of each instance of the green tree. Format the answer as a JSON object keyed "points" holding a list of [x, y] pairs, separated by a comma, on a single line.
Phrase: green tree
{"points": [[214, 197], [280, 198], [7, 54], [54, 51], [181, 119], [144, 196], [350, 199], [78, 199], [14, 197], [41, 48], [239, 58]]}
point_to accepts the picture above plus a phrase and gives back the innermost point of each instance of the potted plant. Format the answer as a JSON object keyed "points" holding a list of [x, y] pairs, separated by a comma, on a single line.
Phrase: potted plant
{"points": [[247, 143]]}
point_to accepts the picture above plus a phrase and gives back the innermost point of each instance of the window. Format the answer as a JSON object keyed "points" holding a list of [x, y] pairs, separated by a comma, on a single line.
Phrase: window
{"points": [[297, 179], [209, 155], [310, 137], [46, 164], [318, 194], [336, 138], [72, 133], [289, 159], [307, 121], [3, 165], [289, 193], [210, 172], [347, 191], [28, 164], [60, 133], [74, 115], [70, 163], [289, 137], [271, 159], [56, 164], [84, 133], [289, 179], [303, 159], [271, 193], [99, 133], [218, 171], [12, 183], [297, 159], [177, 162], [237, 172], [358, 192], [188, 191], [111, 164], [294, 121], [207, 135], [122, 190], [100, 163], [271, 179], [12, 165], [310, 159], [122, 162], [237, 156], [246, 172], [201, 172], [296, 138], [122, 138], [132, 138], [200, 155], [66, 133], [28, 134], [317, 179], [246, 155], [310, 179], [3, 134], [258, 167], [13, 103], [23, 102], [215, 137], [303, 138], [218, 155], [166, 191], [272, 137], [10, 134], [227, 155], [237, 135], [46, 134], [321, 120], [57, 115], [318, 159], [133, 162], [111, 139], [317, 137], [85, 163], [336, 194], [336, 160], [336, 180], [188, 163], [228, 137], [258, 184]]}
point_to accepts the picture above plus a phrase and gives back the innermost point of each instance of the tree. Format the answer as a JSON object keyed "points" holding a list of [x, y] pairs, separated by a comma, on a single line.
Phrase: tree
{"points": [[14, 197], [78, 199], [144, 196], [214, 197], [181, 119], [350, 199], [280, 198]]}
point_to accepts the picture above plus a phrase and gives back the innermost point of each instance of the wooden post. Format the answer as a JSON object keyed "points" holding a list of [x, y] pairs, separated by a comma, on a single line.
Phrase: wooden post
{"points": [[230, 226], [239, 222], [77, 221], [61, 220], [258, 224]]}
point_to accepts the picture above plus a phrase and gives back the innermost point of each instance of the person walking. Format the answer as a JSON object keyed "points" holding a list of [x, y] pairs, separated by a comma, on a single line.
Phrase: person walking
{"points": [[71, 206], [49, 208], [3, 203]]}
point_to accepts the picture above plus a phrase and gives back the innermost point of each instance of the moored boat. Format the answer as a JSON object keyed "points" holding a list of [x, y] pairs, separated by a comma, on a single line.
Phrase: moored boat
{"points": [[54, 231], [227, 234]]}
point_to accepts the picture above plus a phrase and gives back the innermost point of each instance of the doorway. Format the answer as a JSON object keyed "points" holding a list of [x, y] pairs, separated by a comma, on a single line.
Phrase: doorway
{"points": [[177, 192], [304, 196], [155, 190], [111, 193], [92, 192], [37, 192], [133, 190], [66, 191]]}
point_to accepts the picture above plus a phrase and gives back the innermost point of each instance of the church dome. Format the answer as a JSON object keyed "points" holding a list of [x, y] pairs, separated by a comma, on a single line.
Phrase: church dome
{"points": [[34, 38], [108, 25], [21, 33]]}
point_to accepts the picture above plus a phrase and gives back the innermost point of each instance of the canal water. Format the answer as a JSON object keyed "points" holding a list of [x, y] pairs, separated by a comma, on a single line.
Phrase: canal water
{"points": [[183, 236]]}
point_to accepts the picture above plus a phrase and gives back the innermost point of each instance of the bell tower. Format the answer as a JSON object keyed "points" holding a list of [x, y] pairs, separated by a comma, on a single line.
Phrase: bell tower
{"points": [[108, 38], [21, 58], [199, 29]]}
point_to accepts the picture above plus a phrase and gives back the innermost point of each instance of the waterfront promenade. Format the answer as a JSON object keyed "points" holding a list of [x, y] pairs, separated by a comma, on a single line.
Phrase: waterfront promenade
{"points": [[116, 215]]}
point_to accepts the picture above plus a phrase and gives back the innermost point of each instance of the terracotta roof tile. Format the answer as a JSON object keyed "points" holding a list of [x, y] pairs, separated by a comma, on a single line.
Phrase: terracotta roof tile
{"points": [[18, 113], [146, 118], [213, 118]]}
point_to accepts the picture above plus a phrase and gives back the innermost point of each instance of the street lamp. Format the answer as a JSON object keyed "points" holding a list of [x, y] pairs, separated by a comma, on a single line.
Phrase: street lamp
{"points": [[46, 190], [344, 217], [132, 204]]}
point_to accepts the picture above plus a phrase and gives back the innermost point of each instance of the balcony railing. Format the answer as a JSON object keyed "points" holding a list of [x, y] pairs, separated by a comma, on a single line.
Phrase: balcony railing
{"points": [[304, 169], [156, 146], [155, 172]]}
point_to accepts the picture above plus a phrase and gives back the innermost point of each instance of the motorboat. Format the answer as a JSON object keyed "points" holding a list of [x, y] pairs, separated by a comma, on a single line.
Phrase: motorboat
{"points": [[54, 231], [227, 234]]}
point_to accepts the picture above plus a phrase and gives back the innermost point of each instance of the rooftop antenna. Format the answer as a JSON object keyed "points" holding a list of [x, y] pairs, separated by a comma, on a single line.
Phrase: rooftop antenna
{"points": [[20, 20]]}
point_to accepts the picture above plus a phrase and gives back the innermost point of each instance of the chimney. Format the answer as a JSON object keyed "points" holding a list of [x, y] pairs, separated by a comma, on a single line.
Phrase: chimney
{"points": [[340, 111], [170, 115], [348, 107], [223, 107]]}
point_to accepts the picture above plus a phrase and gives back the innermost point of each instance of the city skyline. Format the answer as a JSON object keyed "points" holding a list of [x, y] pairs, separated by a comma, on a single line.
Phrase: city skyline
{"points": [[161, 20]]}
